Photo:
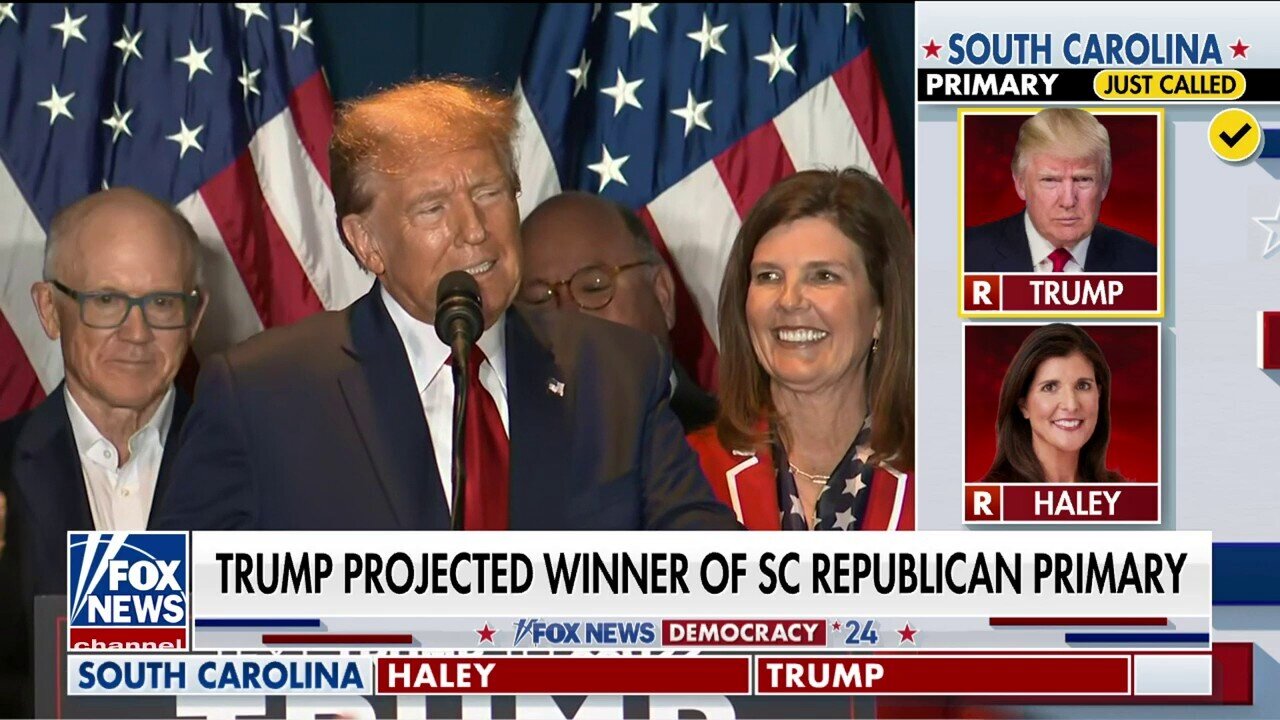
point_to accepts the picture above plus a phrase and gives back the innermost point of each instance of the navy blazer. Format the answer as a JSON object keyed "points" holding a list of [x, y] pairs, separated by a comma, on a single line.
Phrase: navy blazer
{"points": [[1002, 246], [319, 425], [45, 486], [695, 407], [41, 476]]}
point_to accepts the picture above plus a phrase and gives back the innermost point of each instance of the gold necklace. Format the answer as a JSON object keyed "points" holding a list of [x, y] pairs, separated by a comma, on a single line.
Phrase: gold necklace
{"points": [[815, 479]]}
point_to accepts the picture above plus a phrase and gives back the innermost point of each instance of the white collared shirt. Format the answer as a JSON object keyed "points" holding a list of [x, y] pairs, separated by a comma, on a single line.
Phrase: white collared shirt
{"points": [[120, 497], [1040, 249], [434, 380]]}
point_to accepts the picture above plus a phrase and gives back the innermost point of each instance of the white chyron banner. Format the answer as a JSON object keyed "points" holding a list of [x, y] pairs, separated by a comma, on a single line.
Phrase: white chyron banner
{"points": [[618, 574]]}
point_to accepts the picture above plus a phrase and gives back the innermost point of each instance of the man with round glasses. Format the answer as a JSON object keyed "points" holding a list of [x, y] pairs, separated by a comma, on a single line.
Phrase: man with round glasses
{"points": [[585, 253], [121, 297]]}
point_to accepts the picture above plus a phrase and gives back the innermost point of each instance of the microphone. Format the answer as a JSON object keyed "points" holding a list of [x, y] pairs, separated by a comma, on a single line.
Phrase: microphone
{"points": [[459, 320], [459, 323]]}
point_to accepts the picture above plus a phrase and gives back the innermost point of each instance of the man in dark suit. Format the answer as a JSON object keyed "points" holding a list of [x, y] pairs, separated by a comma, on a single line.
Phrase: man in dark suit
{"points": [[121, 296], [585, 253], [343, 420], [1062, 170]]}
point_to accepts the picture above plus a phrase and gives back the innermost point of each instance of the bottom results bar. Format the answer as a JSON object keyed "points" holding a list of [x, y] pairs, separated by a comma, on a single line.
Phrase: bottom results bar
{"points": [[1042, 675], [552, 675], [1092, 675], [939, 675]]}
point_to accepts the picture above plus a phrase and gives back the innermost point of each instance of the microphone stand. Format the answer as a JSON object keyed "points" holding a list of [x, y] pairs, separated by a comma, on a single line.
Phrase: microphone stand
{"points": [[458, 323], [461, 360]]}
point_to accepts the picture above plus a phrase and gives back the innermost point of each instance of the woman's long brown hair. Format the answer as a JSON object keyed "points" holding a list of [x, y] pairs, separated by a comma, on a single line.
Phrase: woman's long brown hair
{"points": [[1016, 459], [864, 211]]}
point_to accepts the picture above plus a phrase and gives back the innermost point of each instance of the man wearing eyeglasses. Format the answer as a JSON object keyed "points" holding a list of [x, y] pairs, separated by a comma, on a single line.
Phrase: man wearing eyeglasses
{"points": [[584, 253], [121, 297]]}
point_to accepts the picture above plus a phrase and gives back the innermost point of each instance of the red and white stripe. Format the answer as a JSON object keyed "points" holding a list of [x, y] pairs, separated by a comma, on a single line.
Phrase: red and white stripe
{"points": [[273, 253], [843, 121], [29, 363], [266, 221]]}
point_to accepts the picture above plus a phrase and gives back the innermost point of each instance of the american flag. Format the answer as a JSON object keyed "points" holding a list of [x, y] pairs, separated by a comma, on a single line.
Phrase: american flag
{"points": [[685, 112], [688, 113], [220, 109]]}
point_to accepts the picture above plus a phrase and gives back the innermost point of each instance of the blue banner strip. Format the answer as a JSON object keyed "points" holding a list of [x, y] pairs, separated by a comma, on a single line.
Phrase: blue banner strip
{"points": [[1181, 638], [256, 623], [1270, 143], [1247, 573]]}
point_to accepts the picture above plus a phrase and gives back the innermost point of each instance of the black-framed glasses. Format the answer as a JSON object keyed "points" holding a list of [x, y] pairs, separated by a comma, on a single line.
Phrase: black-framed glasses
{"points": [[106, 309], [591, 287]]}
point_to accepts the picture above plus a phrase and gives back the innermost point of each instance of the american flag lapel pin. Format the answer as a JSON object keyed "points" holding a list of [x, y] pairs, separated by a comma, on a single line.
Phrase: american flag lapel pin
{"points": [[555, 387]]}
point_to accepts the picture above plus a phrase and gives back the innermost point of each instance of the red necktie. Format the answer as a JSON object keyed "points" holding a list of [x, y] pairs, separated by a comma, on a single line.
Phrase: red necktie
{"points": [[1059, 258], [488, 454]]}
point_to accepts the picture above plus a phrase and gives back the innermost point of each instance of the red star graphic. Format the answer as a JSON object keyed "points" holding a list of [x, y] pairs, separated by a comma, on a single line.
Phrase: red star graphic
{"points": [[931, 50], [486, 634], [835, 626], [908, 634], [1239, 49]]}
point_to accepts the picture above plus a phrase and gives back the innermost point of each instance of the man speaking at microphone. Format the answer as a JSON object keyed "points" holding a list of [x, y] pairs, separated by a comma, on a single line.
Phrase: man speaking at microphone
{"points": [[344, 420]]}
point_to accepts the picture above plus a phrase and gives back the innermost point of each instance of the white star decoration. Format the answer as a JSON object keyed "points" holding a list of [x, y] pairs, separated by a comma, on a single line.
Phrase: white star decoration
{"points": [[852, 485], [777, 58], [186, 138], [118, 122], [300, 30], [1272, 226], [639, 17], [6, 13], [57, 104], [579, 73], [708, 38], [128, 45], [852, 10], [844, 519], [70, 27], [251, 11], [693, 113], [609, 168], [623, 93], [796, 507], [248, 78], [195, 60]]}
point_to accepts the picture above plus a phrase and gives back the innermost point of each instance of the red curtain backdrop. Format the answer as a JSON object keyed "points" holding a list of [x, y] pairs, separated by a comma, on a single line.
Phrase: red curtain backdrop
{"points": [[1131, 353], [1131, 203]]}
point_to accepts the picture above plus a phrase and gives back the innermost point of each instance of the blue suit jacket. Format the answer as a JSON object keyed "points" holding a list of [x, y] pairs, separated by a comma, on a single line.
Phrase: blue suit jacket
{"points": [[1002, 246], [319, 425], [41, 476]]}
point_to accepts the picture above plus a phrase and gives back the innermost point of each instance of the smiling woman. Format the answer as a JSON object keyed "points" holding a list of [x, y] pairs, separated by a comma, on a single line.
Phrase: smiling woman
{"points": [[816, 340], [1054, 419]]}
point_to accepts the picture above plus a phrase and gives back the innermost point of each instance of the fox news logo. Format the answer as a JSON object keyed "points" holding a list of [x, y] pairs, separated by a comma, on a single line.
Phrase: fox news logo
{"points": [[127, 591], [584, 633]]}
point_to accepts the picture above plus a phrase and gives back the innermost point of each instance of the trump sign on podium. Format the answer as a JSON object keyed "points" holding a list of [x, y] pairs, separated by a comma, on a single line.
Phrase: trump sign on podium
{"points": [[1109, 614]]}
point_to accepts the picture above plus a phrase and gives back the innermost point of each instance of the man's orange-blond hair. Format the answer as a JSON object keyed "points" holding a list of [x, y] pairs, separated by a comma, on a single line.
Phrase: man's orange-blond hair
{"points": [[387, 132]]}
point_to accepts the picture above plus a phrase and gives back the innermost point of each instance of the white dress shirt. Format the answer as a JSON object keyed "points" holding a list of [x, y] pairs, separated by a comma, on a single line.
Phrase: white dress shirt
{"points": [[1040, 249], [120, 497], [434, 380]]}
